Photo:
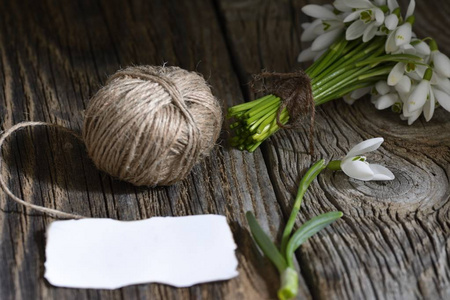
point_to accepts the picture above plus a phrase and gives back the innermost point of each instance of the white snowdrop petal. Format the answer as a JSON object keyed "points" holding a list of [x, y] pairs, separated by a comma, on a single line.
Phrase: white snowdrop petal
{"points": [[390, 45], [415, 76], [406, 111], [318, 11], [306, 55], [365, 146], [379, 16], [408, 49], [340, 5], [411, 7], [382, 87], [441, 63], [349, 100], [403, 34], [325, 40], [379, 2], [381, 173], [386, 101], [443, 99], [414, 116], [357, 169], [420, 70], [418, 96], [358, 3], [392, 4], [391, 22], [422, 48], [404, 85], [309, 34], [442, 83], [355, 30], [353, 16], [319, 54], [356, 94], [305, 25], [369, 33], [396, 74], [428, 108]]}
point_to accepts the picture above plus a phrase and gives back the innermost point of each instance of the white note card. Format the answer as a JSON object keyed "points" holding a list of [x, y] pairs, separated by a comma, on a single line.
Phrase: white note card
{"points": [[109, 254]]}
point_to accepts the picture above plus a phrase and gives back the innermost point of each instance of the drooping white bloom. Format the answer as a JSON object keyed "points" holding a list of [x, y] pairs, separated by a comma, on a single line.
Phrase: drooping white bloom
{"points": [[384, 96], [366, 19], [441, 63], [355, 165], [325, 29], [356, 94]]}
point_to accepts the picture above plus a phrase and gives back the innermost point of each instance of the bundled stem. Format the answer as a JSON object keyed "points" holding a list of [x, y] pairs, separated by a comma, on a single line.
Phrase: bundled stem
{"points": [[343, 68]]}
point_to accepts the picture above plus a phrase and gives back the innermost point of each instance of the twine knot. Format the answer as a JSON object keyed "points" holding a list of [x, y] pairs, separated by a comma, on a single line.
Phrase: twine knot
{"points": [[294, 90]]}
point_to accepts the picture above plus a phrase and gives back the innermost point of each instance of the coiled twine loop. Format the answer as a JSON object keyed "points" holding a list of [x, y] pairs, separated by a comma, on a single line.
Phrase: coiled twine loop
{"points": [[150, 125]]}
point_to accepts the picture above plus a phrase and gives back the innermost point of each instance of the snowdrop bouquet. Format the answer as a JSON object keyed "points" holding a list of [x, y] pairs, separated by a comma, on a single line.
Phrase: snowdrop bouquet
{"points": [[358, 47]]}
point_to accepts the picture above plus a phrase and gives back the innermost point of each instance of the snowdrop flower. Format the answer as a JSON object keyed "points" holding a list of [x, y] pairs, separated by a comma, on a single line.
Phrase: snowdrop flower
{"points": [[384, 96], [439, 60], [356, 166], [322, 32], [356, 94], [420, 100], [327, 27], [421, 48], [367, 18], [400, 37]]}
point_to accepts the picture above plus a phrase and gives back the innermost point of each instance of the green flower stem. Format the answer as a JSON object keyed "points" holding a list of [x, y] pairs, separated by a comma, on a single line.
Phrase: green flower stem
{"points": [[338, 82], [310, 175], [328, 58], [246, 106], [354, 55], [344, 91], [334, 165], [289, 284], [346, 66]]}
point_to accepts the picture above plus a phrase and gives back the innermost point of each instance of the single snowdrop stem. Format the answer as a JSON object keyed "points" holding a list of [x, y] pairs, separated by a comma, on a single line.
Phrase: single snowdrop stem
{"points": [[334, 165]]}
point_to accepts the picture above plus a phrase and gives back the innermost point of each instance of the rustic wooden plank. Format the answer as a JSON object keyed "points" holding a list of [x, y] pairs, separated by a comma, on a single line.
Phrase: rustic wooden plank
{"points": [[54, 55], [393, 240]]}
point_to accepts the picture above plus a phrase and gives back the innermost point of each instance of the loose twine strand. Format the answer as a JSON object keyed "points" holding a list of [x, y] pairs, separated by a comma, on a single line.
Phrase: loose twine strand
{"points": [[50, 211], [148, 126], [294, 90]]}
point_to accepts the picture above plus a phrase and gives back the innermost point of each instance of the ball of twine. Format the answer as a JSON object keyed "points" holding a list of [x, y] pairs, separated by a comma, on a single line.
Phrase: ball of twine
{"points": [[150, 125]]}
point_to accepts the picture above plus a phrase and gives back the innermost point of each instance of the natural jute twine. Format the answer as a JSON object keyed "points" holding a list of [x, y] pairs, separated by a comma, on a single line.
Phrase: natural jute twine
{"points": [[296, 93], [148, 126]]}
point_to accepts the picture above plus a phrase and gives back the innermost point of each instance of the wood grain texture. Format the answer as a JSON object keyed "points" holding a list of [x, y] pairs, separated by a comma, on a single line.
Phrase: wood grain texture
{"points": [[393, 242], [54, 56]]}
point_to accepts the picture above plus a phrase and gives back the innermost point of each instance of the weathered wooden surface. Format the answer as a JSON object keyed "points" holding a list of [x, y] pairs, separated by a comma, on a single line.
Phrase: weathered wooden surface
{"points": [[393, 242]]}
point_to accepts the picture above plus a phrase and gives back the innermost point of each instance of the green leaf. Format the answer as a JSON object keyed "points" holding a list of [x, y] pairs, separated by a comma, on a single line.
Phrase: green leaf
{"points": [[307, 230], [265, 244], [310, 175]]}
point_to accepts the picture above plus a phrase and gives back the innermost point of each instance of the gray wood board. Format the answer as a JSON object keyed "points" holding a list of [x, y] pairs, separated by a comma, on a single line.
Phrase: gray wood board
{"points": [[393, 240]]}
